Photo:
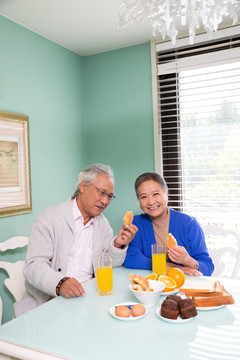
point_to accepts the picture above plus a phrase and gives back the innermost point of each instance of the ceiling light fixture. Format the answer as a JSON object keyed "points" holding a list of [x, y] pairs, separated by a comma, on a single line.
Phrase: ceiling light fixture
{"points": [[164, 15]]}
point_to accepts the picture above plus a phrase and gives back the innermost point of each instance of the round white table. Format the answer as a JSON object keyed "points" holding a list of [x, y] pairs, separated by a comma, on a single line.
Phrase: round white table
{"points": [[83, 329]]}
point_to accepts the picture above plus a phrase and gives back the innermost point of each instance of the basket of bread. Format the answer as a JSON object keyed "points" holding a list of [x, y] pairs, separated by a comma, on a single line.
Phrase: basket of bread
{"points": [[146, 291]]}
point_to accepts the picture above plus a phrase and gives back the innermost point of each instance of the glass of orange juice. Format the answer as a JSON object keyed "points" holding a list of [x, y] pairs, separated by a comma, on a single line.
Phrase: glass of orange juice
{"points": [[158, 259], [104, 275]]}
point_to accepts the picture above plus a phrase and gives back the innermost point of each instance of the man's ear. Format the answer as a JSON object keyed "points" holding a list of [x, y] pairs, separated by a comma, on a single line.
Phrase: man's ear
{"points": [[82, 187]]}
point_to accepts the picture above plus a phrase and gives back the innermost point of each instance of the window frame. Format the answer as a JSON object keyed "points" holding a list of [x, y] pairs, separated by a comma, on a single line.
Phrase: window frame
{"points": [[163, 71], [157, 46]]}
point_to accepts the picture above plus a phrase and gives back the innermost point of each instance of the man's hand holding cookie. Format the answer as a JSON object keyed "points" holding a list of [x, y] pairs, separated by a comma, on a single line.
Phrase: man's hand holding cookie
{"points": [[127, 232]]}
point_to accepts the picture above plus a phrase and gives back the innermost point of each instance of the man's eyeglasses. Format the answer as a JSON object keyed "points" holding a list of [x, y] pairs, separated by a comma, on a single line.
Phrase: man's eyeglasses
{"points": [[103, 193]]}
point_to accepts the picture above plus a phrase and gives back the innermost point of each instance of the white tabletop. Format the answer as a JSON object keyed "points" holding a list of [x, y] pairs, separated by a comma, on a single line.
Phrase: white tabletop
{"points": [[83, 329]]}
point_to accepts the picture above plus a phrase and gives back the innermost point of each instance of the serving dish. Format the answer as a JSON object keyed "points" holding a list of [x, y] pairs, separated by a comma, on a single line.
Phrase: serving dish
{"points": [[130, 318], [179, 320]]}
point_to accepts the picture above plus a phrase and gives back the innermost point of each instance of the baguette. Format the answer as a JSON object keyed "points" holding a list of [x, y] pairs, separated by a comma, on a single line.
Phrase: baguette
{"points": [[217, 300]]}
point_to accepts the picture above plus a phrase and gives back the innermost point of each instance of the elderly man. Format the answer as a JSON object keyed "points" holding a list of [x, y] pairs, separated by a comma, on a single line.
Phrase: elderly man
{"points": [[66, 238]]}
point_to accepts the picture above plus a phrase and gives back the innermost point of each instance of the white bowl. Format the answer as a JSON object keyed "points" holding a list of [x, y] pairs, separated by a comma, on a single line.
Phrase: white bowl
{"points": [[149, 298]]}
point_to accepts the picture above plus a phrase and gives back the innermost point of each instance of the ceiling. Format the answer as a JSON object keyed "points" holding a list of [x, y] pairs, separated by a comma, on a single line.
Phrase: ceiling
{"points": [[83, 26]]}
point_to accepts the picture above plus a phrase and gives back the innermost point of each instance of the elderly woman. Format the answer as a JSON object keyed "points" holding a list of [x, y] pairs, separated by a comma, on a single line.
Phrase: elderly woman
{"points": [[190, 255]]}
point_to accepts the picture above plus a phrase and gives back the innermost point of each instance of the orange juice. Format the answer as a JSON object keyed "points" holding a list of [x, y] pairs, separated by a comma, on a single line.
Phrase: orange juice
{"points": [[159, 263], [104, 280]]}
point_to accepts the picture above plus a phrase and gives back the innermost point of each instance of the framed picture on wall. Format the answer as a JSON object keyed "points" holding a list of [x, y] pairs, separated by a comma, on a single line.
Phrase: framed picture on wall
{"points": [[15, 179]]}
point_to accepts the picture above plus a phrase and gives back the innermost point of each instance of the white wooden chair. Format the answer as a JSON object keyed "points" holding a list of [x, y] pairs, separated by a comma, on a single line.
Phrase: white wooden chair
{"points": [[218, 253], [15, 282], [1, 310]]}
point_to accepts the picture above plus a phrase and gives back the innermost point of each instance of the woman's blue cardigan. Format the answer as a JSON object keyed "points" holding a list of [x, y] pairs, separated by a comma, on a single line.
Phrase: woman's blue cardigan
{"points": [[185, 229]]}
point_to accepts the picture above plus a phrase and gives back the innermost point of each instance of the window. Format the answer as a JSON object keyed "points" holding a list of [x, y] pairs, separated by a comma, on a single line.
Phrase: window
{"points": [[198, 126]]}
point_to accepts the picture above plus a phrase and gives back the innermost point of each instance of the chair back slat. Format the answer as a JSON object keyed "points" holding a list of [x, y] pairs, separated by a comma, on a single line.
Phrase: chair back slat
{"points": [[15, 283], [217, 253]]}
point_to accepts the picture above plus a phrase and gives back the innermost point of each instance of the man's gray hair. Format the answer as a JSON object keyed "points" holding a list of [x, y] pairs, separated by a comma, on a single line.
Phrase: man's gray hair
{"points": [[90, 173]]}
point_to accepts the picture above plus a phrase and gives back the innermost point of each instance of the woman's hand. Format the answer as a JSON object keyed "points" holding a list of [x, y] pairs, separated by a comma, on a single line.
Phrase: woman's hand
{"points": [[179, 255], [191, 271], [187, 270]]}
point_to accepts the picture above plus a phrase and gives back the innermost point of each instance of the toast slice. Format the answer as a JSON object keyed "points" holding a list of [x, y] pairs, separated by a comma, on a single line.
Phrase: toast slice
{"points": [[217, 290], [196, 287], [217, 300]]}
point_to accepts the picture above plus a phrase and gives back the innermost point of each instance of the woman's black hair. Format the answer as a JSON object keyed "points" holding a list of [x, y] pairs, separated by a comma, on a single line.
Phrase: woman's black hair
{"points": [[150, 176]]}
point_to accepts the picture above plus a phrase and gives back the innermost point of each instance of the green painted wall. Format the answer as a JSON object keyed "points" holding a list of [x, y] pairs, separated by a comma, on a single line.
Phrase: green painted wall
{"points": [[81, 111], [119, 128], [45, 82]]}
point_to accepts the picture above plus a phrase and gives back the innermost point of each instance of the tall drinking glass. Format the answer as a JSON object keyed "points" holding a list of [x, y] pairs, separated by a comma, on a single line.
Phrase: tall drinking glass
{"points": [[104, 275], [158, 259]]}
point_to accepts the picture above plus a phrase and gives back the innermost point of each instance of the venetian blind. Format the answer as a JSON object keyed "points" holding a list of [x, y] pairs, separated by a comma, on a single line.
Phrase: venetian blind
{"points": [[199, 129]]}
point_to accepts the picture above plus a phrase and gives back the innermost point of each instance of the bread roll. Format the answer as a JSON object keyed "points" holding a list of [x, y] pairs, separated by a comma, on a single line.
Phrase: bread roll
{"points": [[128, 218], [171, 241], [140, 281]]}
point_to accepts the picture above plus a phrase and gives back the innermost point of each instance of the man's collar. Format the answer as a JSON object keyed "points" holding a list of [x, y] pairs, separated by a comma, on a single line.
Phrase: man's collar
{"points": [[77, 213]]}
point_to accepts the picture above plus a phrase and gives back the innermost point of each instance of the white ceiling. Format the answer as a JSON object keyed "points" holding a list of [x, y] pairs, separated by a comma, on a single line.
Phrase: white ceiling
{"points": [[83, 26]]}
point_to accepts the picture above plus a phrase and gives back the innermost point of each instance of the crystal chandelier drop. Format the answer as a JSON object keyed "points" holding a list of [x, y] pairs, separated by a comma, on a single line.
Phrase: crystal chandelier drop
{"points": [[164, 15]]}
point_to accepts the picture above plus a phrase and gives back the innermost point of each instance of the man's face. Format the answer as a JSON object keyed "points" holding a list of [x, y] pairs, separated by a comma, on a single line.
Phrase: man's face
{"points": [[96, 196]]}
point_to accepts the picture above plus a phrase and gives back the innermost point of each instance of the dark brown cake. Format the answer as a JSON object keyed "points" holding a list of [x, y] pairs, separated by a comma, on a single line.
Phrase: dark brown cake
{"points": [[175, 298], [170, 309], [187, 308]]}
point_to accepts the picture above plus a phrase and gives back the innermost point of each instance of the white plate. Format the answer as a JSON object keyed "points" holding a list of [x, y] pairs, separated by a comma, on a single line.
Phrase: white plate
{"points": [[179, 320], [210, 308], [130, 318], [175, 291]]}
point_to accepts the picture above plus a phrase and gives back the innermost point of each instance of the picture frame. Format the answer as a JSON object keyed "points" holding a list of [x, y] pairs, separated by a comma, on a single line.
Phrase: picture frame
{"points": [[15, 174]]}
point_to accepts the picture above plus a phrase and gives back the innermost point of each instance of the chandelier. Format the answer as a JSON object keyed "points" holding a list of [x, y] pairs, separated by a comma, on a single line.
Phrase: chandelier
{"points": [[165, 15]]}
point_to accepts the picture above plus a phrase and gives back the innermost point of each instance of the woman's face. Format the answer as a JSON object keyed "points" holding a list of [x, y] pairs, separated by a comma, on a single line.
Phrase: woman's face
{"points": [[153, 200]]}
